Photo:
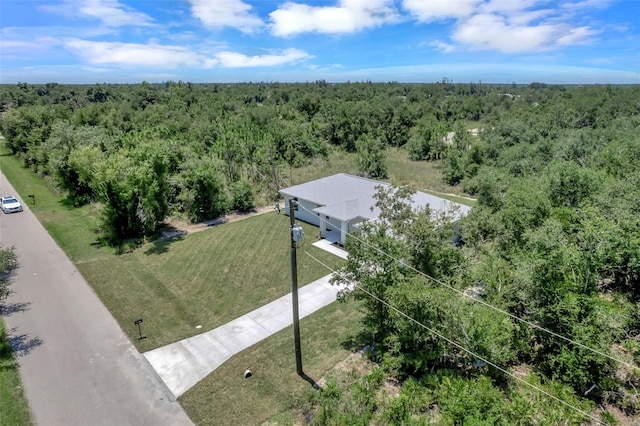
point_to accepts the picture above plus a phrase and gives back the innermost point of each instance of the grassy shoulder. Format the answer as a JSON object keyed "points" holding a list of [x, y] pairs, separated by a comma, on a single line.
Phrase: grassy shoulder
{"points": [[14, 408], [72, 228]]}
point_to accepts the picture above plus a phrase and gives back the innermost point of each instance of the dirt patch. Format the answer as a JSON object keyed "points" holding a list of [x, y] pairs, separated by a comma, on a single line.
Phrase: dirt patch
{"points": [[356, 361], [174, 228]]}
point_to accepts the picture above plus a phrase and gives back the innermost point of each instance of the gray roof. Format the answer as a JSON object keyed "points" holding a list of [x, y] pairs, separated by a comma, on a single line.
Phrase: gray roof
{"points": [[346, 197]]}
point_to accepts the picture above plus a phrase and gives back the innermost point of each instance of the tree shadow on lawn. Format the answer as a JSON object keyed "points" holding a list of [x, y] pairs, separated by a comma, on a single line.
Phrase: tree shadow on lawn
{"points": [[22, 344], [161, 245], [68, 202], [8, 309], [358, 341]]}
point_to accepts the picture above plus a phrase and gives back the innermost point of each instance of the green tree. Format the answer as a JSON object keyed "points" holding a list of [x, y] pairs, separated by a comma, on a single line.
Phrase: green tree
{"points": [[8, 265], [474, 401], [453, 166], [570, 184], [371, 160], [26, 128], [242, 195], [200, 189], [425, 139], [134, 190], [372, 263], [55, 153]]}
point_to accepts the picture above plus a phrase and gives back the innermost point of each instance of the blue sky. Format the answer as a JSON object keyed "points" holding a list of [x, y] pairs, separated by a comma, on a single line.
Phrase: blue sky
{"points": [[493, 41]]}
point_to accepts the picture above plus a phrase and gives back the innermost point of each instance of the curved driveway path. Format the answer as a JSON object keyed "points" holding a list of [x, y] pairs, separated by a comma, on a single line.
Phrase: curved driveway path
{"points": [[77, 366]]}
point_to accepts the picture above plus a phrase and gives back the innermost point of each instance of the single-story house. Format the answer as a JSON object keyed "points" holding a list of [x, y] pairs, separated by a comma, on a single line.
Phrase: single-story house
{"points": [[338, 203]]}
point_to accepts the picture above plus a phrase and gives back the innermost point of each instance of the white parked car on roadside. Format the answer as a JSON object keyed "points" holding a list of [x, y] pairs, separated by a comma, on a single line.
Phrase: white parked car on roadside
{"points": [[10, 204]]}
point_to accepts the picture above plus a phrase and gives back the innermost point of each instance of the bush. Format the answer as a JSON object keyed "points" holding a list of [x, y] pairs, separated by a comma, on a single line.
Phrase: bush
{"points": [[242, 196]]}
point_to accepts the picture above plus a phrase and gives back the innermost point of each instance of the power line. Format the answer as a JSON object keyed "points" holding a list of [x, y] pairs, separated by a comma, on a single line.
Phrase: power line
{"points": [[482, 302], [457, 345]]}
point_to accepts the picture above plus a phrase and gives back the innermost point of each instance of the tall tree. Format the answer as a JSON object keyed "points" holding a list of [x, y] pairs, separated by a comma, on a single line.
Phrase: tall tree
{"points": [[371, 158], [134, 190]]}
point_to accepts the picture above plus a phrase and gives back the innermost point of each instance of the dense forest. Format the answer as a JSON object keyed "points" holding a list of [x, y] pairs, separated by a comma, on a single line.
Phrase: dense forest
{"points": [[530, 317]]}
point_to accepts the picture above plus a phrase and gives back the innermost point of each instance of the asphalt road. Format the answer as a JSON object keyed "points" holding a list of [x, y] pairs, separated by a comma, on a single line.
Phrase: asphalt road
{"points": [[77, 366]]}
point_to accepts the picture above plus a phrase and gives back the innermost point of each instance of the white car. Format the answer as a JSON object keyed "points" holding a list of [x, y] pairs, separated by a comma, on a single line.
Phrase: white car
{"points": [[10, 204]]}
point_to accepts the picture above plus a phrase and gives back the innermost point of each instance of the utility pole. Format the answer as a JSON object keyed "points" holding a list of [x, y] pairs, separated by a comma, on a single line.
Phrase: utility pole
{"points": [[296, 235]]}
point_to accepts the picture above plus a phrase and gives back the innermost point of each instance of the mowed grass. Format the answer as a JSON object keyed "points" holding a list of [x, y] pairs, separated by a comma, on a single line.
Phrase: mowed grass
{"points": [[14, 408], [207, 278], [275, 390]]}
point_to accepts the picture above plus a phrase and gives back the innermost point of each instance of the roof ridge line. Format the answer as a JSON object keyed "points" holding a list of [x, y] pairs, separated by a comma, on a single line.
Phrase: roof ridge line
{"points": [[363, 178]]}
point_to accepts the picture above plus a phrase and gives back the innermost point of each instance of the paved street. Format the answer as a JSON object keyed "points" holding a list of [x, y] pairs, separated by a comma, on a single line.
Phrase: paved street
{"points": [[77, 365]]}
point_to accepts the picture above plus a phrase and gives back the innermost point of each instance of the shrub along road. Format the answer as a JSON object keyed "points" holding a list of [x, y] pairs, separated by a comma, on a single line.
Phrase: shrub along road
{"points": [[77, 365]]}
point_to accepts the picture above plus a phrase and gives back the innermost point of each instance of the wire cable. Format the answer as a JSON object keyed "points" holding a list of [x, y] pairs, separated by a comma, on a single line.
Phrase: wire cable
{"points": [[457, 345], [482, 302]]}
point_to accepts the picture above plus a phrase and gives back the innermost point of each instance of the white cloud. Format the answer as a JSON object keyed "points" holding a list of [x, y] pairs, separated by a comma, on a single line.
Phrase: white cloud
{"points": [[441, 46], [582, 5], [52, 32], [347, 17], [111, 13], [575, 36], [509, 6], [132, 54], [183, 36], [20, 46], [239, 60], [508, 26], [226, 13], [493, 32], [434, 10], [40, 43], [522, 18], [169, 57]]}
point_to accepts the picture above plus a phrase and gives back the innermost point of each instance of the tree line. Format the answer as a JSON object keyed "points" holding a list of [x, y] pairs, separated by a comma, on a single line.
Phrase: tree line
{"points": [[540, 280], [553, 241], [148, 151]]}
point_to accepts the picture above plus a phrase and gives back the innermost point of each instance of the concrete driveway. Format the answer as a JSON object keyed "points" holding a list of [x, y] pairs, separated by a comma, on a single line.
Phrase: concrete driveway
{"points": [[77, 366]]}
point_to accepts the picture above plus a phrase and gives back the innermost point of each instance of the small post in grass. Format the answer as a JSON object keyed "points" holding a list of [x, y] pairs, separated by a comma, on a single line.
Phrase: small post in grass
{"points": [[138, 322]]}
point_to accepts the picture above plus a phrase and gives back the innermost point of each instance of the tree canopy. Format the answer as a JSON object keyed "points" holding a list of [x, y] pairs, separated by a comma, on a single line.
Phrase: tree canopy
{"points": [[550, 249]]}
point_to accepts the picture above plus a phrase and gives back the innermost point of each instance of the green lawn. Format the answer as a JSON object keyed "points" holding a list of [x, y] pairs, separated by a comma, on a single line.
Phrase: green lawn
{"points": [[207, 278], [14, 408]]}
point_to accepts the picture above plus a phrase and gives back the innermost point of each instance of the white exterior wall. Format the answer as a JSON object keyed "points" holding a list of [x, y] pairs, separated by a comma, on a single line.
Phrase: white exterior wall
{"points": [[304, 212], [332, 224]]}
